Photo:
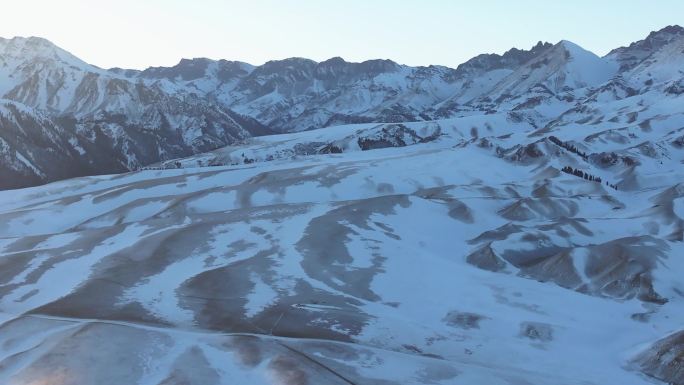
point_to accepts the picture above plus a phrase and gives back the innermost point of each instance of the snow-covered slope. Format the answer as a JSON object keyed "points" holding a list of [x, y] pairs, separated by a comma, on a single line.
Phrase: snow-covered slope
{"points": [[549, 83], [466, 258], [518, 220], [563, 67], [663, 65]]}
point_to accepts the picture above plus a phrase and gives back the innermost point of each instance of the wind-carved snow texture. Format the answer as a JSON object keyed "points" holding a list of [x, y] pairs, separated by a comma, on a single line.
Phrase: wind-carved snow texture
{"points": [[508, 245]]}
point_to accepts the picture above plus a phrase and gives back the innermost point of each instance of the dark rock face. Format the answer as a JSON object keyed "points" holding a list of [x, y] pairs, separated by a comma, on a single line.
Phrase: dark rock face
{"points": [[464, 320], [678, 142], [308, 95], [536, 331], [62, 117], [337, 69], [289, 77], [486, 259], [618, 269], [605, 159], [510, 59], [340, 119], [527, 153], [390, 137], [330, 149], [677, 88], [37, 148], [193, 69], [34, 149], [664, 360], [186, 70], [393, 135]]}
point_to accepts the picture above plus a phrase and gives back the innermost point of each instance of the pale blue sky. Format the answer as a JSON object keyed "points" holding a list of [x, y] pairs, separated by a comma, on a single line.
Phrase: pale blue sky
{"points": [[142, 33]]}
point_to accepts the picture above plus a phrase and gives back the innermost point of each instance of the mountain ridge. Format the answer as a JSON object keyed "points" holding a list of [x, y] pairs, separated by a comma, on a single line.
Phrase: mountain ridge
{"points": [[202, 104]]}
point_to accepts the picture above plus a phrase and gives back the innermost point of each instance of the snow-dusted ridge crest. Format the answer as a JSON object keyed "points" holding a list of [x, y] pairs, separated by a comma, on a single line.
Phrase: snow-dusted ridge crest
{"points": [[517, 220]]}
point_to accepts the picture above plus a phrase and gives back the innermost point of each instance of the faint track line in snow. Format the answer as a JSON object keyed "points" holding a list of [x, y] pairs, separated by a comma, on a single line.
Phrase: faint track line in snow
{"points": [[316, 362], [276, 323]]}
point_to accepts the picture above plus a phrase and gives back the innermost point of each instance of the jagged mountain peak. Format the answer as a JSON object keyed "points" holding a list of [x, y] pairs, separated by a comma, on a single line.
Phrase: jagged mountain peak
{"points": [[196, 68], [297, 74], [334, 61], [670, 29], [569, 51], [296, 93], [535, 50], [570, 46], [663, 65], [632, 55], [509, 60], [125, 72], [338, 66], [290, 62], [583, 60], [28, 41], [33, 49], [279, 74], [657, 39], [561, 68]]}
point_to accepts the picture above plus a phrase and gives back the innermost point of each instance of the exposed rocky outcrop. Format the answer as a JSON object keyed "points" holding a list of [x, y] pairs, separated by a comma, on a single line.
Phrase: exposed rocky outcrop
{"points": [[664, 359]]}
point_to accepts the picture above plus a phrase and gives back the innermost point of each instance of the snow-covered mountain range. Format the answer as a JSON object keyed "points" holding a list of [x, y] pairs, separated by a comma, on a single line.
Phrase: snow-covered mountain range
{"points": [[62, 117], [105, 121], [516, 220]]}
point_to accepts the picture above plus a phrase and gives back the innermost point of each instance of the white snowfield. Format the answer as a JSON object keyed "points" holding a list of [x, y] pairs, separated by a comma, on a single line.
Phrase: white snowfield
{"points": [[535, 236], [468, 258]]}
